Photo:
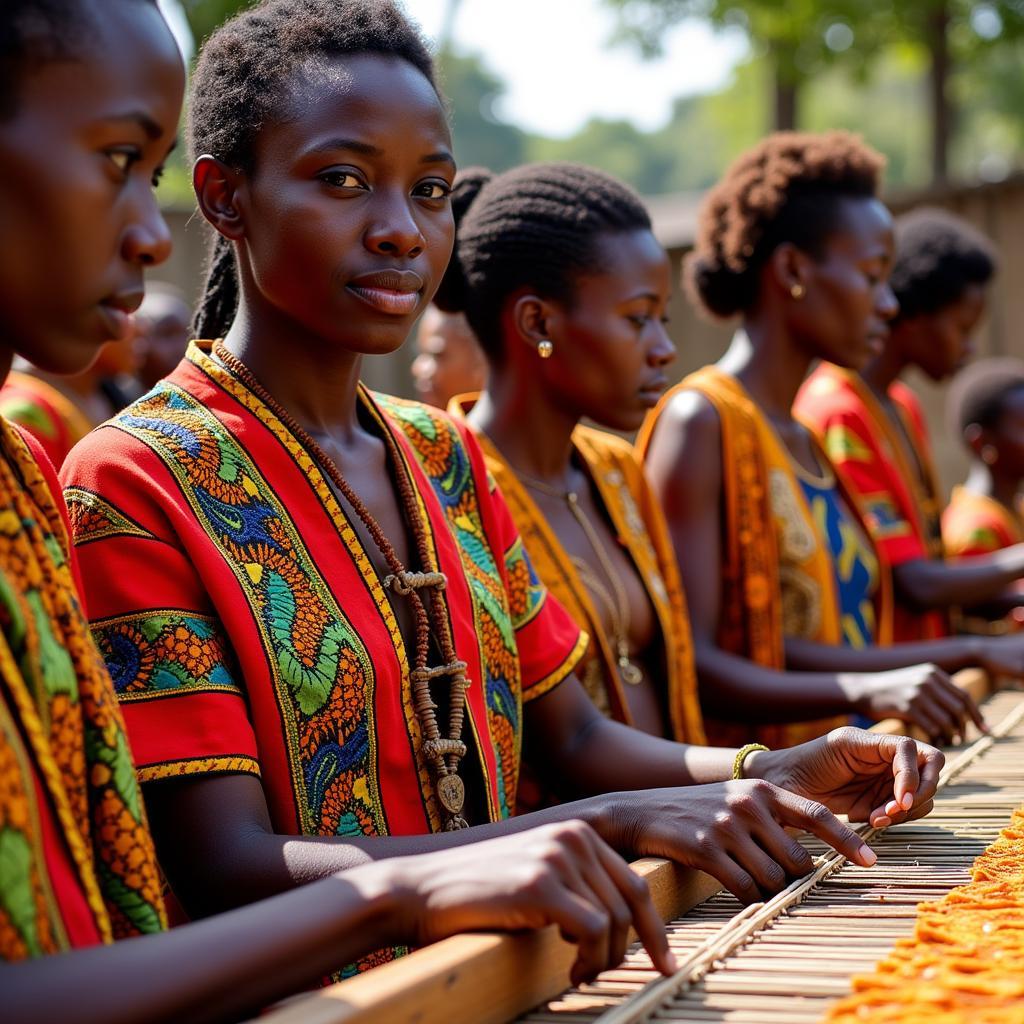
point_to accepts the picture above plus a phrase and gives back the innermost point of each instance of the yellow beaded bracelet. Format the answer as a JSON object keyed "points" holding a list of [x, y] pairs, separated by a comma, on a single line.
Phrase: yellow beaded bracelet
{"points": [[741, 755]]}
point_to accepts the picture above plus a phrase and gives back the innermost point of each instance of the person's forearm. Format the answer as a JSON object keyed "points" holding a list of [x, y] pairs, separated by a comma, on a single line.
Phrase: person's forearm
{"points": [[220, 969], [933, 583], [950, 654], [736, 689]]}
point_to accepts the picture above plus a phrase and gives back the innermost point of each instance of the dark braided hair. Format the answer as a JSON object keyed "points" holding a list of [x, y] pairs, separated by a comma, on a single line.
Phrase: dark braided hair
{"points": [[937, 257], [37, 32], [535, 227], [787, 188], [241, 79]]}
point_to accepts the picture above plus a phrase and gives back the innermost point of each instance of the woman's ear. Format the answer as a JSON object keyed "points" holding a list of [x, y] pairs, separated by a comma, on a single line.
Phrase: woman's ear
{"points": [[790, 269], [532, 320], [974, 438], [217, 188]]}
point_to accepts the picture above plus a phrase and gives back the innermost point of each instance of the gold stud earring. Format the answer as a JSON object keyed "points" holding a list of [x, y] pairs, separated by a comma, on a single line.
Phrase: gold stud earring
{"points": [[545, 348], [797, 291], [989, 454]]}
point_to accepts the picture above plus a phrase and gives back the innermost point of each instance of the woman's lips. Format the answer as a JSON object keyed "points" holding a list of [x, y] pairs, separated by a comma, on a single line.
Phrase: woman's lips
{"points": [[387, 300], [118, 323]]}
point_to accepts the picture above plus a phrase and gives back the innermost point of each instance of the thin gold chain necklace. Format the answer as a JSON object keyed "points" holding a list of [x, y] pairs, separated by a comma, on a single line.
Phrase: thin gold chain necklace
{"points": [[616, 599]]}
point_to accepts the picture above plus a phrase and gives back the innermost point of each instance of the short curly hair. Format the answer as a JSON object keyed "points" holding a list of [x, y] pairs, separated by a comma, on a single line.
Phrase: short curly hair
{"points": [[534, 226], [979, 393], [787, 188], [938, 256]]}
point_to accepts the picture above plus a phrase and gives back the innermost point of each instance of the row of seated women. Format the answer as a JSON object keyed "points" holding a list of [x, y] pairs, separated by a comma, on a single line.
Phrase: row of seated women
{"points": [[336, 639]]}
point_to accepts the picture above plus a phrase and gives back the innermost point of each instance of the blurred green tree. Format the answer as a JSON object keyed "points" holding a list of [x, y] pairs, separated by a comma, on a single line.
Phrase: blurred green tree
{"points": [[800, 39]]}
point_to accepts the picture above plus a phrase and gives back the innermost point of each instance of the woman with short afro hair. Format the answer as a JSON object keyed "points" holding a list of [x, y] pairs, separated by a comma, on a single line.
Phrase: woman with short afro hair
{"points": [[788, 598]]}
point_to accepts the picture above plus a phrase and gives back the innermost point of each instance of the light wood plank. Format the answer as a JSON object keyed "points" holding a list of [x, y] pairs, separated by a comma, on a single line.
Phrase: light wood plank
{"points": [[476, 979]]}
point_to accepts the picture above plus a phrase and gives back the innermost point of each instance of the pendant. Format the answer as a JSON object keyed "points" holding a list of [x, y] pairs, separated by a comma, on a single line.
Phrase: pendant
{"points": [[451, 792], [629, 672]]}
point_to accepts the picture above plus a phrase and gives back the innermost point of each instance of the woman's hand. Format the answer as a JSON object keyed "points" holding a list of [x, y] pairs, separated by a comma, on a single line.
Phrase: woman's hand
{"points": [[735, 831], [867, 776], [1000, 656], [562, 874], [923, 695]]}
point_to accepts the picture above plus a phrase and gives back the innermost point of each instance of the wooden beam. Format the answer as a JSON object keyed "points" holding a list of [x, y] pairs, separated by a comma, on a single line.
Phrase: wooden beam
{"points": [[477, 979]]}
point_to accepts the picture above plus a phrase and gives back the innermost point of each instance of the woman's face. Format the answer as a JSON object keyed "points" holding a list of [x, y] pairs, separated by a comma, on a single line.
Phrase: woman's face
{"points": [[1008, 436], [346, 218], [610, 343], [941, 343], [844, 313], [77, 163]]}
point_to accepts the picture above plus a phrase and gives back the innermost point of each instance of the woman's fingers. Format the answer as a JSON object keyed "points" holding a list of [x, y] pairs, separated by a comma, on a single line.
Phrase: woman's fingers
{"points": [[820, 821], [646, 920]]}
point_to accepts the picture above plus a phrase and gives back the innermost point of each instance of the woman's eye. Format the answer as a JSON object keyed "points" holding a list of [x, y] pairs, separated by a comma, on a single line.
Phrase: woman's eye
{"points": [[434, 190], [158, 176], [640, 321], [123, 159], [341, 179]]}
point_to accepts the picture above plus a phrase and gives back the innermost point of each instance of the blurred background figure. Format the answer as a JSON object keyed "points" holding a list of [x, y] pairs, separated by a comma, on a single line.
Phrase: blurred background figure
{"points": [[59, 411], [449, 360], [161, 331], [986, 410]]}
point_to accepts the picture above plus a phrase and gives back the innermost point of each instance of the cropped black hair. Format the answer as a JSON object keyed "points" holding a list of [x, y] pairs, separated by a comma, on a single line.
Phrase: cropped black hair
{"points": [[535, 226], [36, 32], [787, 188], [938, 256], [242, 76], [979, 393]]}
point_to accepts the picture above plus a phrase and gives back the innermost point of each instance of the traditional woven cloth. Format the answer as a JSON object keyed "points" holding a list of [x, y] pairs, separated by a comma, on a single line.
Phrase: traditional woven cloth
{"points": [[901, 500], [247, 631], [640, 526], [41, 410], [965, 961], [778, 576], [76, 860]]}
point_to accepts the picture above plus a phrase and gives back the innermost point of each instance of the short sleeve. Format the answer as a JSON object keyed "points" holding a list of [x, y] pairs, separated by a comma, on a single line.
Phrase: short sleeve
{"points": [[549, 641], [151, 616]]}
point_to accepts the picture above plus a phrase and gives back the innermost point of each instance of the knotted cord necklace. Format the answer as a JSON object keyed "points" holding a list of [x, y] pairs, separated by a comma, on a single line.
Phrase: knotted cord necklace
{"points": [[443, 752]]}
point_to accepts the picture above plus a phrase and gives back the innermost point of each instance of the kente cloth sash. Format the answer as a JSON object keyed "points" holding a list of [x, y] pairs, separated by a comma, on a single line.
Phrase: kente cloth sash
{"points": [[77, 865], [964, 963], [639, 523], [765, 511], [900, 506], [39, 409], [248, 632]]}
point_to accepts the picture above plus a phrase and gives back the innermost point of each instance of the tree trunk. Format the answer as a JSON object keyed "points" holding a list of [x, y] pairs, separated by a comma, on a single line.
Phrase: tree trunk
{"points": [[941, 110], [784, 88]]}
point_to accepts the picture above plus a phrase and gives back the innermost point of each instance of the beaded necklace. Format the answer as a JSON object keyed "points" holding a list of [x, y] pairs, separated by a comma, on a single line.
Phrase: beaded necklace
{"points": [[443, 752]]}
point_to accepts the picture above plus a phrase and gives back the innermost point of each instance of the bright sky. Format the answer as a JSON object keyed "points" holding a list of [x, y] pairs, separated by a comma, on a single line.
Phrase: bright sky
{"points": [[554, 59]]}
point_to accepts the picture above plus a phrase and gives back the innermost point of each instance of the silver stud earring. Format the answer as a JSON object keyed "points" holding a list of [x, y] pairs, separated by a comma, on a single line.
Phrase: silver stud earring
{"points": [[545, 348]]}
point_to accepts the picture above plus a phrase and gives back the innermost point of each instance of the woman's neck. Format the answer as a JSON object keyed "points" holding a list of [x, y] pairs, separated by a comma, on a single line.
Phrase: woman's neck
{"points": [[769, 363], [315, 382], [982, 480], [883, 370], [532, 434]]}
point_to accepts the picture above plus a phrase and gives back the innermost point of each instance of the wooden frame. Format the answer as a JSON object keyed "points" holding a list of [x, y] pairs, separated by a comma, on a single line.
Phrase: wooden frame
{"points": [[493, 978]]}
